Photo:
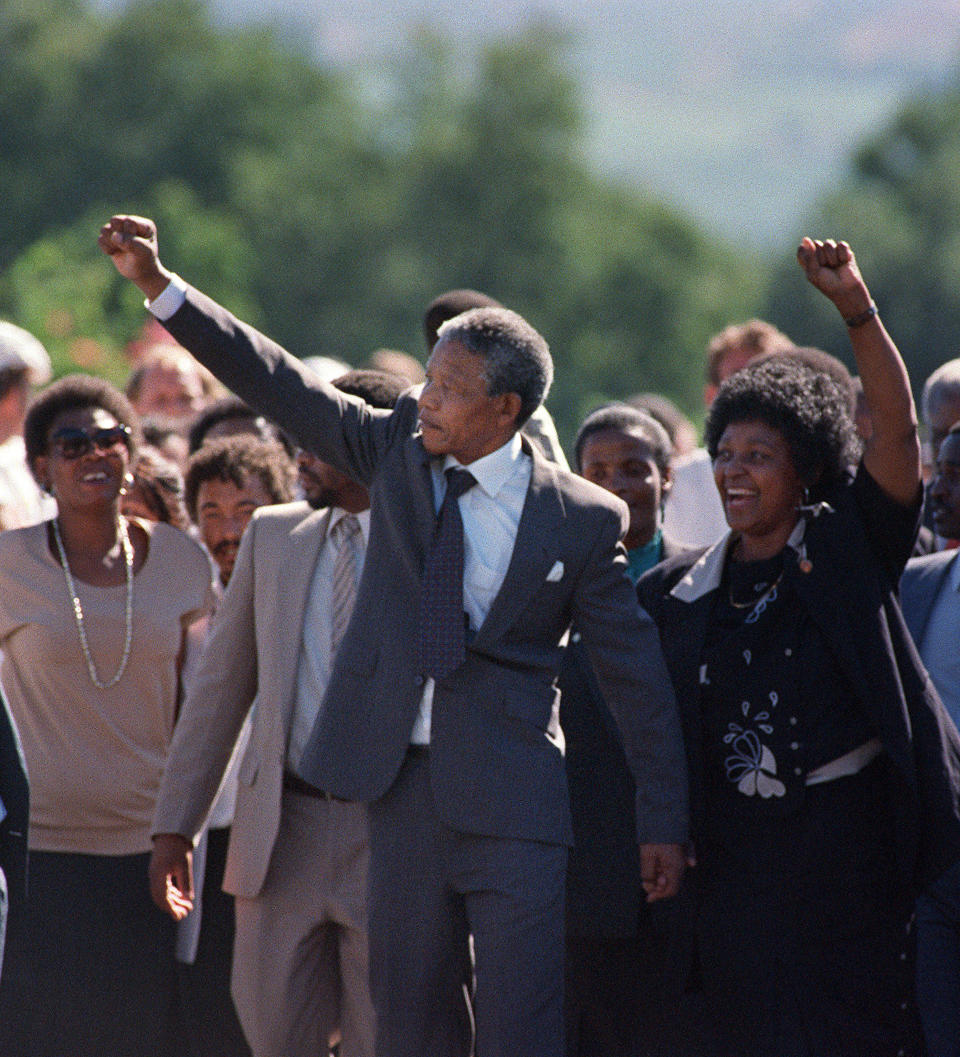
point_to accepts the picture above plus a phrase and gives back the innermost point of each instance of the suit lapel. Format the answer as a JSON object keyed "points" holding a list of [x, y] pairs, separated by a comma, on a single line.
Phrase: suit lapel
{"points": [[534, 551], [422, 512]]}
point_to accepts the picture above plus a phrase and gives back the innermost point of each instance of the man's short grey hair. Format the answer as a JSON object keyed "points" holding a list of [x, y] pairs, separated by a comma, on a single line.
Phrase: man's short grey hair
{"points": [[942, 387], [517, 357]]}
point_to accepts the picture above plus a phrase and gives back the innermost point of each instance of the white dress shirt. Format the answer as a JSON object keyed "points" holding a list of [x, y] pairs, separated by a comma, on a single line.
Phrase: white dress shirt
{"points": [[316, 656], [491, 513]]}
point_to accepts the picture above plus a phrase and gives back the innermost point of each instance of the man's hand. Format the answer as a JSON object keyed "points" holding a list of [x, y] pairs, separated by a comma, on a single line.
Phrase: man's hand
{"points": [[131, 243], [832, 268], [171, 874], [661, 869]]}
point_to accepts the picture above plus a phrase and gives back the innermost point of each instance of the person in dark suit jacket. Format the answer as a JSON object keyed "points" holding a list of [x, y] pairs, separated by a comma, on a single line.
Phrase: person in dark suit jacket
{"points": [[930, 595], [459, 749], [14, 813], [613, 965]]}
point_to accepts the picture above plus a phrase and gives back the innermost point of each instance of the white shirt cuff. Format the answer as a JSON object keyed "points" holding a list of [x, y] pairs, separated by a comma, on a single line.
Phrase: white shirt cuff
{"points": [[165, 304]]}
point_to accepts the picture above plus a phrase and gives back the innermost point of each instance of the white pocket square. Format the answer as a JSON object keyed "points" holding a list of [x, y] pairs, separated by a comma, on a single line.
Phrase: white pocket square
{"points": [[556, 573]]}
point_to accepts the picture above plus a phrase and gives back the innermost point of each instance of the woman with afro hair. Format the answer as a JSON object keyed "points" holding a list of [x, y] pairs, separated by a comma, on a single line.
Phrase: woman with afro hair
{"points": [[823, 770]]}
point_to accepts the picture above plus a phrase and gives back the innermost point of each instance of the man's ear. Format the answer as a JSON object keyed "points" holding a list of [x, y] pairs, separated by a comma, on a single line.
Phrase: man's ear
{"points": [[510, 408]]}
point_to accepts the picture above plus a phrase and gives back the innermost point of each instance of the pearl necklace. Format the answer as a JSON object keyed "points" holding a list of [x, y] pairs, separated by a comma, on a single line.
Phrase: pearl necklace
{"points": [[78, 609]]}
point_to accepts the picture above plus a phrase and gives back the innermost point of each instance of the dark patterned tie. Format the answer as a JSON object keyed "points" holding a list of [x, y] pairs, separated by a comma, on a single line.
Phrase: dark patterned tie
{"points": [[441, 602]]}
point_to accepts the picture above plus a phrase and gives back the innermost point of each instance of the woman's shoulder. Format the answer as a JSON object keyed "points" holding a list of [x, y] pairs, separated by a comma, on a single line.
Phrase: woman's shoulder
{"points": [[26, 541], [860, 516], [173, 546], [661, 579]]}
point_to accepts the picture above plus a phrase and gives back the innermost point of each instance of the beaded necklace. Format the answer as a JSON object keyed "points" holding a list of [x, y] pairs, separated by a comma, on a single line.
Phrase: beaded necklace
{"points": [[78, 609]]}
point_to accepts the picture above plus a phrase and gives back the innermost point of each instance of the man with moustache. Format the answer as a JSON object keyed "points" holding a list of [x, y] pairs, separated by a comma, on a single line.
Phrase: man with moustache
{"points": [[226, 481], [297, 860]]}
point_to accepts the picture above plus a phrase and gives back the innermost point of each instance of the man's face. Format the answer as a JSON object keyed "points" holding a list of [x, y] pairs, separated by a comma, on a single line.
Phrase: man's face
{"points": [[621, 462], [941, 422], [223, 512], [734, 359], [324, 485], [944, 496], [457, 416], [170, 391]]}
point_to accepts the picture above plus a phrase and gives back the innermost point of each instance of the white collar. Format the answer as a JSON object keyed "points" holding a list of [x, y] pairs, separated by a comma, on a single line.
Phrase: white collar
{"points": [[491, 472], [706, 573]]}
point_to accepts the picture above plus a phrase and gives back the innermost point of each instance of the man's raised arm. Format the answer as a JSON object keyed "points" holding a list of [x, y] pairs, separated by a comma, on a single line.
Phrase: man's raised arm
{"points": [[340, 429], [131, 243]]}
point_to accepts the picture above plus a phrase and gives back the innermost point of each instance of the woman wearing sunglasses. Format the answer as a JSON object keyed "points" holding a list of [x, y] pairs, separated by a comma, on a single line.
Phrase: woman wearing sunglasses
{"points": [[93, 611]]}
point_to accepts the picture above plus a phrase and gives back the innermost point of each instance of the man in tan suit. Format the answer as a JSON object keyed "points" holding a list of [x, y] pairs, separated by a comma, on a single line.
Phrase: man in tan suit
{"points": [[297, 860]]}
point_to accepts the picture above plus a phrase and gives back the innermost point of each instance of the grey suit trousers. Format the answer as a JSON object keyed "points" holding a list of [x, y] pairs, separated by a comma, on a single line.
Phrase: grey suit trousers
{"points": [[507, 894]]}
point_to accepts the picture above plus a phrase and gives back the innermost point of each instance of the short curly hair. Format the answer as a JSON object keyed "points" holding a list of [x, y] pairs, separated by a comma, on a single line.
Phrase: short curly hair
{"points": [[517, 359], [72, 393], [806, 406], [235, 459]]}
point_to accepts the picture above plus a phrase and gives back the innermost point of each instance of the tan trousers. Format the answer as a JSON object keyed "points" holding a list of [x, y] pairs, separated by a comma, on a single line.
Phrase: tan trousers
{"points": [[300, 966]]}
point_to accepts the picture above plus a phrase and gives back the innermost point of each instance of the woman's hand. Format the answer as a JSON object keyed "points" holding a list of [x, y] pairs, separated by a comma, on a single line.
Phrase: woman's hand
{"points": [[832, 268], [661, 869]]}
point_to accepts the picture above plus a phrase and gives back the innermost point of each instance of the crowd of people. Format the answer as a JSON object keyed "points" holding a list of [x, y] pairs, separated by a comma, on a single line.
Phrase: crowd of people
{"points": [[342, 715]]}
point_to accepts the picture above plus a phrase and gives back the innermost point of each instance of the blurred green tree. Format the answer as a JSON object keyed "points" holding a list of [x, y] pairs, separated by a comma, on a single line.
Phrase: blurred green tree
{"points": [[329, 214], [899, 210]]}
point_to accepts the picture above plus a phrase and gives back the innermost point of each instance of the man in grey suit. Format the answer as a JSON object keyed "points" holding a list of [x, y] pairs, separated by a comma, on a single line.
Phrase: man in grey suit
{"points": [[930, 596], [449, 730]]}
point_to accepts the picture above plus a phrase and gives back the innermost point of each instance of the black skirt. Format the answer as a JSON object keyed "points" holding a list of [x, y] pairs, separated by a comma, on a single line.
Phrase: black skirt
{"points": [[802, 931], [89, 969]]}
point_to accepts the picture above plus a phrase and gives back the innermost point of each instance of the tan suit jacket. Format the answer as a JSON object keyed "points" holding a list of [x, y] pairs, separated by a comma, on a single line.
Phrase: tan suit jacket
{"points": [[250, 659]]}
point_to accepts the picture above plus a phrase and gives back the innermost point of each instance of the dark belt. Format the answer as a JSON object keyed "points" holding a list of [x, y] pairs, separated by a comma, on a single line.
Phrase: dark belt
{"points": [[295, 784]]}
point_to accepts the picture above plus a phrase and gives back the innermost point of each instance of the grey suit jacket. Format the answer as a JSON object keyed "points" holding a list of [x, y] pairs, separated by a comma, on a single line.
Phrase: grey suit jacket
{"points": [[919, 587], [250, 659], [496, 756]]}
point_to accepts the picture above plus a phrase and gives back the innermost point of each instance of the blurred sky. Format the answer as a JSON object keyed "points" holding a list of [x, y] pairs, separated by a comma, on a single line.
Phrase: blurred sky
{"points": [[742, 114]]}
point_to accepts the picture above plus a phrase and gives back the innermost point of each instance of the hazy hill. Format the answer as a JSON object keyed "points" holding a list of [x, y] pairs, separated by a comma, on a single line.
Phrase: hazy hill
{"points": [[740, 113]]}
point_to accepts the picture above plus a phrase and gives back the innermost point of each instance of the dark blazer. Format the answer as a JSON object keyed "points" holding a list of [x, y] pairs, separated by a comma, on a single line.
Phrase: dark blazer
{"points": [[856, 548], [15, 794], [919, 587], [496, 757]]}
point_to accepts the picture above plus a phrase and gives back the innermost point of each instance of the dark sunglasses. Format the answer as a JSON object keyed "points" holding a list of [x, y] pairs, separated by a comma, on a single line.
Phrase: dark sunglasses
{"points": [[73, 443]]}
